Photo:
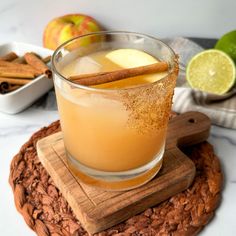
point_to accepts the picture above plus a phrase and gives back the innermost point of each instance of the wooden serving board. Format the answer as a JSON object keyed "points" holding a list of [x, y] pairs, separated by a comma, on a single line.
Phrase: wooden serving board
{"points": [[98, 209]]}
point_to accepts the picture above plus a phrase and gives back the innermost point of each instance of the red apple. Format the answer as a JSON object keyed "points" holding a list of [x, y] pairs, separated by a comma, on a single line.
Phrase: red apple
{"points": [[67, 27]]}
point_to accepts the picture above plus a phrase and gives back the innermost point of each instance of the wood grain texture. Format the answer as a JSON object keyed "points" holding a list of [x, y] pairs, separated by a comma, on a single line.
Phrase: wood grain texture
{"points": [[97, 209]]}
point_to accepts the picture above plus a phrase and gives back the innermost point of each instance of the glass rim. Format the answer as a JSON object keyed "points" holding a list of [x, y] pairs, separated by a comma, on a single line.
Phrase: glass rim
{"points": [[54, 69]]}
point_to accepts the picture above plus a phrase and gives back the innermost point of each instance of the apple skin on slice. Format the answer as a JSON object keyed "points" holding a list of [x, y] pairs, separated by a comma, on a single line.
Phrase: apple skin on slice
{"points": [[128, 58]]}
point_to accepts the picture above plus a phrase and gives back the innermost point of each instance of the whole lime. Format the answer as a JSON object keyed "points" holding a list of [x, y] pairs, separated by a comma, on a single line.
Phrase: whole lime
{"points": [[227, 44]]}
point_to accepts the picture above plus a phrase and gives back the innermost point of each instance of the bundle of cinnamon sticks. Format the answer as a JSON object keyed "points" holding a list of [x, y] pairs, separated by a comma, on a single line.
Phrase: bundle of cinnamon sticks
{"points": [[17, 71]]}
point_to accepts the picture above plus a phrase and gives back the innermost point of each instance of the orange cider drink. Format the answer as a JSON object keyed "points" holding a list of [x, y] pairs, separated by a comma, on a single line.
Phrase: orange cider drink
{"points": [[114, 133]]}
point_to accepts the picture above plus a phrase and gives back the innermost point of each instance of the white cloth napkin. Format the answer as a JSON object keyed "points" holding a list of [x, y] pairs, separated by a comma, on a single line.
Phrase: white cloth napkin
{"points": [[220, 109]]}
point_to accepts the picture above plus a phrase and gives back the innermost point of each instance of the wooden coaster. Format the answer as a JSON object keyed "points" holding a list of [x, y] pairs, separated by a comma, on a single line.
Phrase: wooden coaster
{"points": [[46, 211], [98, 209]]}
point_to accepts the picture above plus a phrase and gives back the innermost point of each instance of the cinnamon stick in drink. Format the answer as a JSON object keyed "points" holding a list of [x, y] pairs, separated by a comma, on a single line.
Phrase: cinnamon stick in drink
{"points": [[106, 77], [9, 56], [15, 81], [38, 64]]}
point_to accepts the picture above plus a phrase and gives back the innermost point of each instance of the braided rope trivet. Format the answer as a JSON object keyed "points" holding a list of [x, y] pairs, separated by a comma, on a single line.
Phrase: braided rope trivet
{"points": [[47, 212]]}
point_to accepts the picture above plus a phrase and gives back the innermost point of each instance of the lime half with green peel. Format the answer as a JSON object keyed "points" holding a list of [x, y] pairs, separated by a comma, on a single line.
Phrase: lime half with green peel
{"points": [[227, 44], [212, 71]]}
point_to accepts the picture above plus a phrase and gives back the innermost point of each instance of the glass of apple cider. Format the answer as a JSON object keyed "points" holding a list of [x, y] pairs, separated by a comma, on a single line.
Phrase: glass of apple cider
{"points": [[114, 133]]}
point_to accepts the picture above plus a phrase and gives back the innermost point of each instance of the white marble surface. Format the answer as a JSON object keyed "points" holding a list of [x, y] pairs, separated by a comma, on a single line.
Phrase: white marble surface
{"points": [[24, 20]]}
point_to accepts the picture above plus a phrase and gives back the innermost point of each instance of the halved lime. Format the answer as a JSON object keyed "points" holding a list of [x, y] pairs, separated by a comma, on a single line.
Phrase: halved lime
{"points": [[227, 44], [211, 71]]}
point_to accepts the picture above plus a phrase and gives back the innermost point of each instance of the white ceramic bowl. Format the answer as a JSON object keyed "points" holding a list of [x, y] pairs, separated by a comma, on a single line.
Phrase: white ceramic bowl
{"points": [[23, 97]]}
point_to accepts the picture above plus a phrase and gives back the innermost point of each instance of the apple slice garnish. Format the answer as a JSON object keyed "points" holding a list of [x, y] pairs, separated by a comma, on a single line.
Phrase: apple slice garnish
{"points": [[129, 58]]}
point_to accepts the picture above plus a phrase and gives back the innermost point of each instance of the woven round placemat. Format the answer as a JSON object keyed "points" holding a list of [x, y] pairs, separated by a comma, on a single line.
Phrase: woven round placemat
{"points": [[47, 212]]}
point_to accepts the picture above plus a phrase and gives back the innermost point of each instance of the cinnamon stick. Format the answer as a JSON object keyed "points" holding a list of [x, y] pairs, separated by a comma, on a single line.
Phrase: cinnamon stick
{"points": [[20, 60], [38, 64], [47, 59], [18, 66], [5, 87], [13, 88], [15, 72], [14, 81], [106, 77], [9, 56]]}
